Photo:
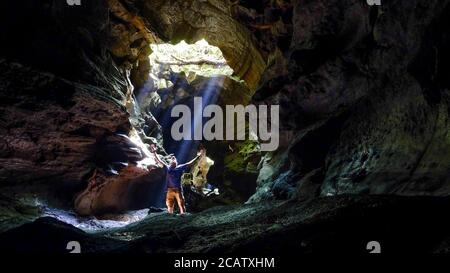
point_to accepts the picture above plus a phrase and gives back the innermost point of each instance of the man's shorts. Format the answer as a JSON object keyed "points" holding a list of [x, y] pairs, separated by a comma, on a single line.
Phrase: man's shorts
{"points": [[172, 194]]}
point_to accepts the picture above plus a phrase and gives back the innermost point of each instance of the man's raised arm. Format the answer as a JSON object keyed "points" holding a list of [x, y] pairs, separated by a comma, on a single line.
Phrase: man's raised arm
{"points": [[157, 158], [199, 154]]}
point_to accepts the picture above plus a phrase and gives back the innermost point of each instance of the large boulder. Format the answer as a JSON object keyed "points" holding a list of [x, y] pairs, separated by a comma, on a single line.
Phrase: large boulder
{"points": [[133, 188]]}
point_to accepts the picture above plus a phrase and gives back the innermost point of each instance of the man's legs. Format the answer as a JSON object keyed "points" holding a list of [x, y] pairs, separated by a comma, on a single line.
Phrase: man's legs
{"points": [[170, 203], [180, 200]]}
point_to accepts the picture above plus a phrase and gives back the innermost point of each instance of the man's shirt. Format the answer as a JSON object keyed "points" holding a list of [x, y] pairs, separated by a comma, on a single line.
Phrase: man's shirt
{"points": [[173, 176]]}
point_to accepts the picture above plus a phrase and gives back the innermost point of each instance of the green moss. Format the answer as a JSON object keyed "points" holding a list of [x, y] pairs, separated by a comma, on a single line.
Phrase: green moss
{"points": [[238, 161]]}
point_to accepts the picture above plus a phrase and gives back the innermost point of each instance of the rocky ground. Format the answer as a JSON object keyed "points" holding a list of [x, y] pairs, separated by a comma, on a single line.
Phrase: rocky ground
{"points": [[342, 224]]}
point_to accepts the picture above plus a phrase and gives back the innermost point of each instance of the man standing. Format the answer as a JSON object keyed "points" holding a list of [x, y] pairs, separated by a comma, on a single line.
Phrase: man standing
{"points": [[173, 180]]}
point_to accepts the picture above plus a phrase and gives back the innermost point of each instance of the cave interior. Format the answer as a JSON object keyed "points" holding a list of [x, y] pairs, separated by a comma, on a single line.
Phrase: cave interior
{"points": [[364, 125]]}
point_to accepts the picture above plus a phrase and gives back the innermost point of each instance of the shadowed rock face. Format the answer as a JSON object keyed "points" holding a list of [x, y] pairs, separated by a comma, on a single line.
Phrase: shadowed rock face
{"points": [[48, 129], [64, 99], [362, 103]]}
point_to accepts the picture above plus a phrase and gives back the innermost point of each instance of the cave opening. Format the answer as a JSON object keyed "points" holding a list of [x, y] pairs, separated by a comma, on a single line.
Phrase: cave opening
{"points": [[180, 73], [131, 182]]}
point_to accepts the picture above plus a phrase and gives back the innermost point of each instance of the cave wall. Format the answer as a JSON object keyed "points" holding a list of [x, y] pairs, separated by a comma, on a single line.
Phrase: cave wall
{"points": [[66, 95], [60, 92], [364, 102]]}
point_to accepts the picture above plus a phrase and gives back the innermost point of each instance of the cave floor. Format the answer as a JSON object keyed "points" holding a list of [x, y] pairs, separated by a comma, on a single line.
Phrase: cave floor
{"points": [[330, 224]]}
